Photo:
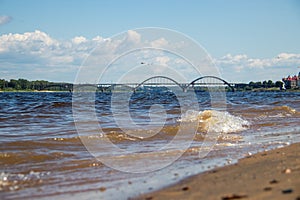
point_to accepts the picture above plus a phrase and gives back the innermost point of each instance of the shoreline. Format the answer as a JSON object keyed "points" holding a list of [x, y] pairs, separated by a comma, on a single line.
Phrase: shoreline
{"points": [[273, 174], [31, 91], [43, 91]]}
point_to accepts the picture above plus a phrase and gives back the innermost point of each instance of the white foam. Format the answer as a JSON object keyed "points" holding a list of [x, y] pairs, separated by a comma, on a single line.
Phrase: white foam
{"points": [[216, 121]]}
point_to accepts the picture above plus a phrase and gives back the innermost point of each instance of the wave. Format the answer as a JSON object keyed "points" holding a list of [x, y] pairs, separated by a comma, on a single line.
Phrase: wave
{"points": [[216, 121], [11, 158], [285, 110], [17, 181], [208, 121], [263, 112]]}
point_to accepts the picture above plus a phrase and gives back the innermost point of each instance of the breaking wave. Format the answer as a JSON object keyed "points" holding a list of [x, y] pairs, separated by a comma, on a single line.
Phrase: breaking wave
{"points": [[216, 121]]}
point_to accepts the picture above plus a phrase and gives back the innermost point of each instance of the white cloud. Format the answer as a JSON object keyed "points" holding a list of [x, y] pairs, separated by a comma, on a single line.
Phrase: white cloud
{"points": [[133, 36], [23, 51], [5, 19], [230, 59], [284, 56], [280, 60], [162, 60], [28, 41], [98, 39], [43, 49], [243, 68], [78, 40], [159, 43], [180, 61], [36, 55]]}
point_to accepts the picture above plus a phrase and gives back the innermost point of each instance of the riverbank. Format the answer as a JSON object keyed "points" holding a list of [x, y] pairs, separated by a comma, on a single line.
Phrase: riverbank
{"points": [[254, 90], [29, 91], [268, 175]]}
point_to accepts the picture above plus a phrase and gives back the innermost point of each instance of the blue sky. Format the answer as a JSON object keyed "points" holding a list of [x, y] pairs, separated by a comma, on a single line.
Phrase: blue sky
{"points": [[233, 29]]}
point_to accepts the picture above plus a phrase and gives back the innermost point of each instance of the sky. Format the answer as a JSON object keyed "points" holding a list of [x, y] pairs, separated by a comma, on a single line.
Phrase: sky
{"points": [[247, 40]]}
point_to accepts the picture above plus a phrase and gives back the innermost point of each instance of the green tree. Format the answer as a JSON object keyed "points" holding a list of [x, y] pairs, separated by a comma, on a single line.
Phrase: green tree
{"points": [[251, 84], [270, 84], [14, 84], [24, 84], [3, 84], [258, 84], [279, 84], [265, 84]]}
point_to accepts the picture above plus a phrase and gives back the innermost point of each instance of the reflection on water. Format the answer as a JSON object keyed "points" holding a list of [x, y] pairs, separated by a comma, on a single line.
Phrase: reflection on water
{"points": [[42, 154]]}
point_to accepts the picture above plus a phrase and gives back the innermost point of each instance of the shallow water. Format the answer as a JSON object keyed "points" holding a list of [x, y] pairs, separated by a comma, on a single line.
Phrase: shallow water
{"points": [[42, 154]]}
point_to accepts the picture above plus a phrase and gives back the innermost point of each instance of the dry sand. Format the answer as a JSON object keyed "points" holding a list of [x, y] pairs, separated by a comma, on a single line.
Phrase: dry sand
{"points": [[268, 175]]}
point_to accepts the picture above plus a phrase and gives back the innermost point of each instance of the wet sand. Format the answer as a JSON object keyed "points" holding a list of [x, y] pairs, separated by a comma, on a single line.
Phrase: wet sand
{"points": [[273, 174]]}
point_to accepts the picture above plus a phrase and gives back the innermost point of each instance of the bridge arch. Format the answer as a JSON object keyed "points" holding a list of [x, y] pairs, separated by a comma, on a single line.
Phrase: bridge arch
{"points": [[215, 77], [154, 77]]}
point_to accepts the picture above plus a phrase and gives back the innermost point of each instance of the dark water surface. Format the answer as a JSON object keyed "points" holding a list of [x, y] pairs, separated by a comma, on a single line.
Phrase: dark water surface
{"points": [[42, 155]]}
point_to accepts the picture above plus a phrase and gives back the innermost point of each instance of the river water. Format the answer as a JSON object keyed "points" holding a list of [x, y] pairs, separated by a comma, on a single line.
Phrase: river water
{"points": [[43, 155]]}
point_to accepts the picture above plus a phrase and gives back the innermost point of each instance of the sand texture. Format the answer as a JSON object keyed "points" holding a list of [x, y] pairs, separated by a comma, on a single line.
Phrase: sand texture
{"points": [[273, 174]]}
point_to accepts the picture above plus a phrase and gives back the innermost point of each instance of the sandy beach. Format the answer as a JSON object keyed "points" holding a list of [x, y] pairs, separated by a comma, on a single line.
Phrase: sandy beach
{"points": [[273, 174]]}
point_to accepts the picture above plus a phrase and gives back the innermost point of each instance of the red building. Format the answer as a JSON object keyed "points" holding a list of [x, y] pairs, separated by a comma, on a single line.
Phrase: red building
{"points": [[292, 81]]}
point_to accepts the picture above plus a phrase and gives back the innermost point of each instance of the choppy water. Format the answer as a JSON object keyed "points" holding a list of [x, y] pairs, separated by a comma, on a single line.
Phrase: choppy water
{"points": [[42, 155]]}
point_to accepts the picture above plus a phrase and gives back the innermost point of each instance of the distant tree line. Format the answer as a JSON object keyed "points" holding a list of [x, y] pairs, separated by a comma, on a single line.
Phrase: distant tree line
{"points": [[257, 85], [265, 84], [23, 84]]}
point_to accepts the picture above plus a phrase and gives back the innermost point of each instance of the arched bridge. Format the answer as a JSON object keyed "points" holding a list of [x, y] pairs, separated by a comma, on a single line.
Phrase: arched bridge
{"points": [[151, 81], [185, 86], [212, 77], [159, 77]]}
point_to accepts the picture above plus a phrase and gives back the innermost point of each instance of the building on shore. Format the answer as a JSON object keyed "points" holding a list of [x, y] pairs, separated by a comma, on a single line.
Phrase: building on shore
{"points": [[292, 82]]}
